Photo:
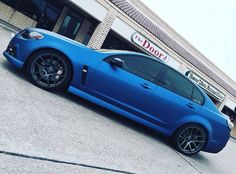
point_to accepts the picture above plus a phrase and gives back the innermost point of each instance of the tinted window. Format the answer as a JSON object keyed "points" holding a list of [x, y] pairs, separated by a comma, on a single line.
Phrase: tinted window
{"points": [[32, 8], [115, 41], [11, 3], [177, 83], [71, 25], [144, 67], [197, 96], [86, 31], [49, 18]]}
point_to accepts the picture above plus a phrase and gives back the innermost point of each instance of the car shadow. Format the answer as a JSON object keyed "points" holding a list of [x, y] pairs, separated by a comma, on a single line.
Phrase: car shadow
{"points": [[115, 117], [16, 72], [96, 108], [200, 158]]}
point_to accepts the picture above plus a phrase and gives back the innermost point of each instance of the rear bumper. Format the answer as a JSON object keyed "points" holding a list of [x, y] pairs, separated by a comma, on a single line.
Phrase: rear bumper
{"points": [[17, 63], [216, 146]]}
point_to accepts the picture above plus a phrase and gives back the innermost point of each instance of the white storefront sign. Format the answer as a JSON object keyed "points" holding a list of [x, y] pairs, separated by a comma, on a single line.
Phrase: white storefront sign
{"points": [[127, 32], [150, 47], [90, 5], [206, 86]]}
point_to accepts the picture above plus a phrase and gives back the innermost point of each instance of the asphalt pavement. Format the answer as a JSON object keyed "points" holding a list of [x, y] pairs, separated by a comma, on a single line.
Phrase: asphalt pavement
{"points": [[43, 132]]}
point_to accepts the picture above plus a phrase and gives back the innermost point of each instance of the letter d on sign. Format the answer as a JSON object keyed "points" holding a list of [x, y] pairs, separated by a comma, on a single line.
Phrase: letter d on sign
{"points": [[146, 44]]}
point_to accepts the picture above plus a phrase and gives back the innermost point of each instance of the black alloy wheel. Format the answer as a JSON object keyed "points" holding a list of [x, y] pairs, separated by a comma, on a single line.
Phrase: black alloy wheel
{"points": [[190, 139], [49, 69]]}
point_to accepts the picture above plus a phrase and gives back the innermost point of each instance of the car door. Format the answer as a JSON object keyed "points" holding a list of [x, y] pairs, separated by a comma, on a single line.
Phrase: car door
{"points": [[128, 86], [174, 98]]}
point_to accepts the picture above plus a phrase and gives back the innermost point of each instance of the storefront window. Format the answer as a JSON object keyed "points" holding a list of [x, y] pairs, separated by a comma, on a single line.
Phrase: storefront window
{"points": [[32, 8], [86, 30], [78, 26], [46, 12], [11, 3], [229, 112], [71, 25], [232, 115], [114, 41], [49, 18]]}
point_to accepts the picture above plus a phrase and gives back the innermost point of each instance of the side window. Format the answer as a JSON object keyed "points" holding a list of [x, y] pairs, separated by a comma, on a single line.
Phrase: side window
{"points": [[197, 96], [143, 67], [175, 82]]}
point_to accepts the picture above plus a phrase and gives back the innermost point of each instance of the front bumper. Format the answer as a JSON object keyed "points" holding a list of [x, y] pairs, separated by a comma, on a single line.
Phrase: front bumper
{"points": [[17, 63], [19, 49]]}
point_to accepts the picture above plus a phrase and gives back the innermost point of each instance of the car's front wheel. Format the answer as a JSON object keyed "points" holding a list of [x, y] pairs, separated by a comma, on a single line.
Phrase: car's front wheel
{"points": [[49, 69], [190, 139]]}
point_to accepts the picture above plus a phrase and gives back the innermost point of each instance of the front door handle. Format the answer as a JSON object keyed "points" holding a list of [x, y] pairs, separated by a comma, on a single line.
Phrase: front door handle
{"points": [[145, 85], [190, 105]]}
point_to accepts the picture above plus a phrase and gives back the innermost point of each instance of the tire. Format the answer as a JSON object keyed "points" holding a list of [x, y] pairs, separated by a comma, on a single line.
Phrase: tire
{"points": [[190, 139], [49, 70]]}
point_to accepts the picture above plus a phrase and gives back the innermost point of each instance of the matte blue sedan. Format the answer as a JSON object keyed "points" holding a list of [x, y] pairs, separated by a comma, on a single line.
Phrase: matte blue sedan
{"points": [[134, 85]]}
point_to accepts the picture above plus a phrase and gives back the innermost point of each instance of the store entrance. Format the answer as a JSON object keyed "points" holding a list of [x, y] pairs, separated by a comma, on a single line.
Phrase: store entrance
{"points": [[48, 18]]}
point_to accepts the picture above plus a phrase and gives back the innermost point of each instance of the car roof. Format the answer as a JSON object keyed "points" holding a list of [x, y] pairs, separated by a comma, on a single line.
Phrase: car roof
{"points": [[126, 52], [113, 51]]}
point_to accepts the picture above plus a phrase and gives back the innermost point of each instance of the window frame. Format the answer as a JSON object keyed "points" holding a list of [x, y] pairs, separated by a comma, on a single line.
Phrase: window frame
{"points": [[157, 78]]}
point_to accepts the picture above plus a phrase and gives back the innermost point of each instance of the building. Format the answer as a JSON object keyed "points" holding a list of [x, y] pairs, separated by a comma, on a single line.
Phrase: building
{"points": [[124, 24]]}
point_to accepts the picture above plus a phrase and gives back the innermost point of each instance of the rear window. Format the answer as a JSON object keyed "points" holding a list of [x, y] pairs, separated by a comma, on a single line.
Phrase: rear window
{"points": [[198, 96], [177, 83]]}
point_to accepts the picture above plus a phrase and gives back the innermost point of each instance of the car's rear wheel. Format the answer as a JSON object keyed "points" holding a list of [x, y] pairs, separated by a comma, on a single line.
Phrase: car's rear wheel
{"points": [[49, 69], [190, 139]]}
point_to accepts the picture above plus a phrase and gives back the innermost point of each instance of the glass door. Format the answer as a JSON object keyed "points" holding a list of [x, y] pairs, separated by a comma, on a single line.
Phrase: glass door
{"points": [[48, 18], [71, 25]]}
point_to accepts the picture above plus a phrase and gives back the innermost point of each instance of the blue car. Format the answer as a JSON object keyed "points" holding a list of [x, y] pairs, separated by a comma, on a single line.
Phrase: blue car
{"points": [[135, 85]]}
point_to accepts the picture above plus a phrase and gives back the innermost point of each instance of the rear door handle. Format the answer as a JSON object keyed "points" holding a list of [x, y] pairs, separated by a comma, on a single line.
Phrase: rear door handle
{"points": [[145, 85], [190, 105]]}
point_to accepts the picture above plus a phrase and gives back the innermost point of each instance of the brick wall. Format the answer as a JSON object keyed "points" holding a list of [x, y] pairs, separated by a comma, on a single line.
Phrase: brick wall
{"points": [[15, 18], [102, 30]]}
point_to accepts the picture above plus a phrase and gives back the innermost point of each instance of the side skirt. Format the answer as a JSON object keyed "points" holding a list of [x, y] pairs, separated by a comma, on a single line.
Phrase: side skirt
{"points": [[116, 109]]}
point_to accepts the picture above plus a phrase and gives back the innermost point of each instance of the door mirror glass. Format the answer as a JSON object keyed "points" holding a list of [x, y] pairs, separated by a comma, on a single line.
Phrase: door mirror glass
{"points": [[117, 62]]}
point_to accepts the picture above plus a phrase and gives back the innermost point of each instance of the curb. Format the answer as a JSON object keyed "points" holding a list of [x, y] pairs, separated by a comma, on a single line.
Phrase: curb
{"points": [[9, 27], [233, 139]]}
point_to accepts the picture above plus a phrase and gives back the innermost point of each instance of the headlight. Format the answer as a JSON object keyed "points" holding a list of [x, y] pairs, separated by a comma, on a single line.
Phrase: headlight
{"points": [[35, 35], [27, 34]]}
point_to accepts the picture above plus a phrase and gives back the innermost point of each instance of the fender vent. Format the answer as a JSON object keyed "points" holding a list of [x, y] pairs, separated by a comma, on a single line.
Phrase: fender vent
{"points": [[84, 74]]}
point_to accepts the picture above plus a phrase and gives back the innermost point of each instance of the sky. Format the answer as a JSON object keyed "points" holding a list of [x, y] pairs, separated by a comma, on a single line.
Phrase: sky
{"points": [[209, 25]]}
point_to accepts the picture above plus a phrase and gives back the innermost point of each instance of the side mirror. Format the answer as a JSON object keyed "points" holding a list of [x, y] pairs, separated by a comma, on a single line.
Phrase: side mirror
{"points": [[117, 62]]}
